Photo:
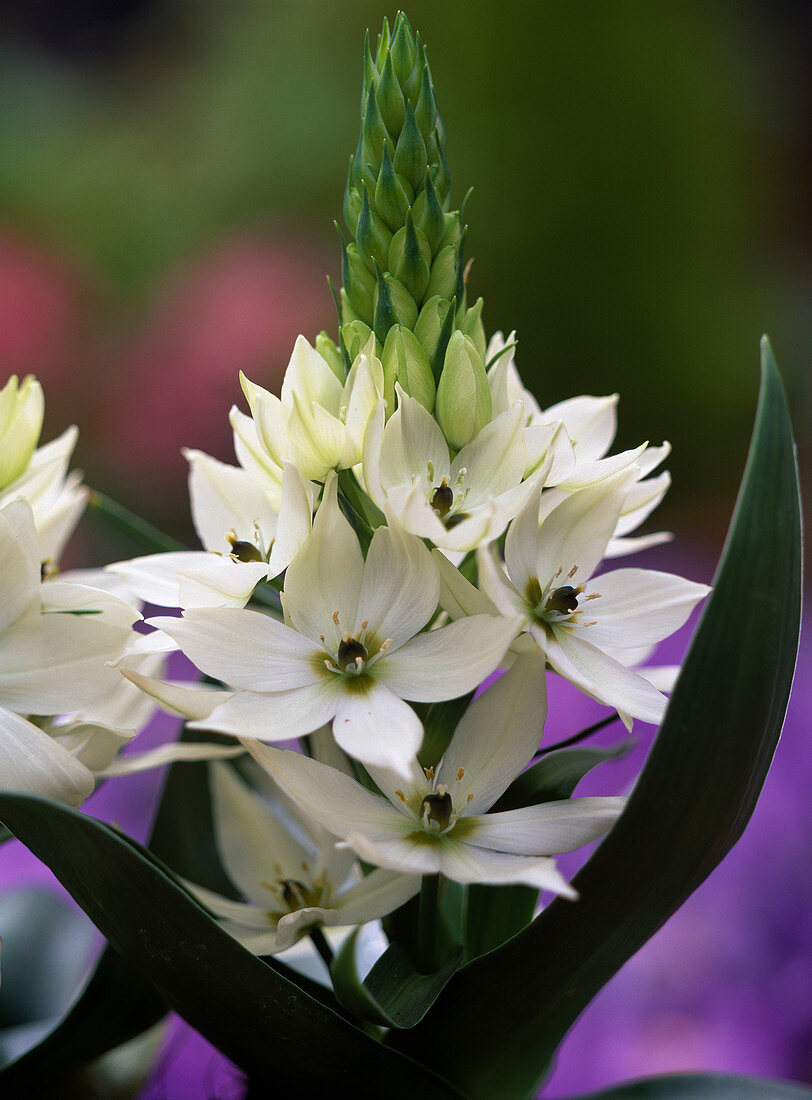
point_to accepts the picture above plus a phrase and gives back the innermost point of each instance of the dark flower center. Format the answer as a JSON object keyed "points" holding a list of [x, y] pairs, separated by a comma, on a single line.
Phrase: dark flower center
{"points": [[441, 500], [563, 599], [349, 650], [437, 808]]}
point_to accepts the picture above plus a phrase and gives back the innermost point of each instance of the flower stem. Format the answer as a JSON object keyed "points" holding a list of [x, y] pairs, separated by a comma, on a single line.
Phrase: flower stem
{"points": [[319, 941], [427, 924], [139, 530], [582, 736]]}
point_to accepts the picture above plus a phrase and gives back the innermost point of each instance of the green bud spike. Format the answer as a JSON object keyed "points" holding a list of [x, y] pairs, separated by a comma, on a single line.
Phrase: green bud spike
{"points": [[384, 315], [410, 258], [410, 152], [392, 194], [353, 338], [463, 405], [383, 44], [373, 235], [411, 87], [425, 112], [352, 201], [370, 71], [443, 280], [405, 362], [473, 327], [358, 283], [391, 103], [330, 353], [440, 175]]}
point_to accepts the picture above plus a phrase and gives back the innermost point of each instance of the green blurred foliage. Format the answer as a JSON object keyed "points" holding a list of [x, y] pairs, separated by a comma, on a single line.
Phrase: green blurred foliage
{"points": [[631, 217]]}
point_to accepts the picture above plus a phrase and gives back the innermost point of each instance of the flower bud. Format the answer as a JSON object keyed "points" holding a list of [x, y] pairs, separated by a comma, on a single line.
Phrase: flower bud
{"points": [[428, 214], [21, 412], [373, 236], [393, 305], [443, 278], [373, 130], [472, 326], [405, 362], [463, 406], [430, 324], [355, 337], [329, 352], [359, 283], [410, 258], [391, 104], [410, 157], [392, 193]]}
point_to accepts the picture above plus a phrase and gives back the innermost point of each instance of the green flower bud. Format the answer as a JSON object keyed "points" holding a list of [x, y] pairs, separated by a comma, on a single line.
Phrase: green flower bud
{"points": [[374, 237], [391, 103], [410, 157], [354, 337], [392, 193], [452, 231], [405, 362], [443, 279], [425, 112], [346, 312], [428, 214], [359, 284], [329, 352], [410, 259], [22, 408], [430, 324], [402, 48], [393, 305], [463, 406], [472, 326], [373, 130]]}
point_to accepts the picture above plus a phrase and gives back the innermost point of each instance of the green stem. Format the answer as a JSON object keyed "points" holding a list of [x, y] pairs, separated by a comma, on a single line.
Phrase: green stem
{"points": [[139, 530], [427, 924], [582, 736], [319, 941]]}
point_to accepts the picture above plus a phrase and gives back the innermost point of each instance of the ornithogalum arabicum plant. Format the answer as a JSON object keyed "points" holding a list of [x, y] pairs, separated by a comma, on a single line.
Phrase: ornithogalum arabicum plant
{"points": [[407, 544]]}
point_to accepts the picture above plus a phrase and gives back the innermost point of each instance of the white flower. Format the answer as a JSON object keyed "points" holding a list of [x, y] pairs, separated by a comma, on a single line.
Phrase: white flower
{"points": [[247, 539], [56, 638], [458, 503], [290, 870], [351, 648], [436, 821], [579, 621], [22, 408], [320, 421]]}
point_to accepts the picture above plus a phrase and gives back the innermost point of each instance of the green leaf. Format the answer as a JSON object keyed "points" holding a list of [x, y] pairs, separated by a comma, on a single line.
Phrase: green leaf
{"points": [[263, 1022], [393, 994], [556, 776], [142, 533], [703, 1086], [688, 808], [494, 914]]}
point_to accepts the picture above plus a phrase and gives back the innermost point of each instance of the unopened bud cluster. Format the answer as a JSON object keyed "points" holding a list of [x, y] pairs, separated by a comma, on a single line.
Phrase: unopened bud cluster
{"points": [[403, 276]]}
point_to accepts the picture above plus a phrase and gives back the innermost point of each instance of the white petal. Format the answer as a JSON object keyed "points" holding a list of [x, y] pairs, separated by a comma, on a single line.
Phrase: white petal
{"points": [[495, 459], [401, 586], [412, 442], [375, 725], [521, 545], [591, 422], [317, 438], [639, 607], [32, 762], [245, 649], [239, 912], [254, 847], [295, 521], [178, 751], [19, 561], [445, 663], [618, 548], [497, 735], [227, 499], [251, 453], [156, 578], [271, 420], [605, 679], [326, 575], [457, 595], [501, 592], [373, 441], [576, 532], [337, 802], [185, 700], [465, 863], [309, 377], [376, 895], [544, 830], [278, 716], [217, 581], [593, 473]]}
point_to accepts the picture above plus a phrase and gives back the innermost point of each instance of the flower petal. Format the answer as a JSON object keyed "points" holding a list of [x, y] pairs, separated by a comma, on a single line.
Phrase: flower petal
{"points": [[546, 829], [35, 763], [19, 556], [401, 586], [374, 725], [377, 894], [278, 716], [639, 607], [445, 663], [497, 735]]}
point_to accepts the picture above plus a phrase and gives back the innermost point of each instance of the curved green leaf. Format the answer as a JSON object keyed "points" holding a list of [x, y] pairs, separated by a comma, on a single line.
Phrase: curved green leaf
{"points": [[704, 1086], [688, 808], [557, 775], [263, 1022]]}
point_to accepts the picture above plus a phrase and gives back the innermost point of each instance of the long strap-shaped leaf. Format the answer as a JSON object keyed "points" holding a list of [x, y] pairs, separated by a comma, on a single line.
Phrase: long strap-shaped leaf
{"points": [[263, 1022], [497, 1023], [704, 1086]]}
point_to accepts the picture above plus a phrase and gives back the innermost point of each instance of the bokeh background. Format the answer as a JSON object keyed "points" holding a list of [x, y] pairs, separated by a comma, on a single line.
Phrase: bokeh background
{"points": [[169, 174]]}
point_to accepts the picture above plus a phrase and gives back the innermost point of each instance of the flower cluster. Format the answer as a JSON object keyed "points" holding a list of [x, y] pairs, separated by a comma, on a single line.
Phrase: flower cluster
{"points": [[405, 523]]}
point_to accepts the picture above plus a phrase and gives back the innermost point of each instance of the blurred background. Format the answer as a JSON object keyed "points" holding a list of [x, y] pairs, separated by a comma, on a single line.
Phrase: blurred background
{"points": [[169, 175]]}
